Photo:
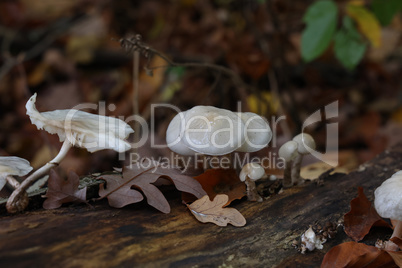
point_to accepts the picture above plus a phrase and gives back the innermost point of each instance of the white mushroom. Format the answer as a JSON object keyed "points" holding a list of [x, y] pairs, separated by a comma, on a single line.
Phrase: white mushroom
{"points": [[74, 128], [305, 144], [174, 136], [388, 203], [288, 152], [206, 130], [249, 174], [258, 133], [212, 131], [12, 166]]}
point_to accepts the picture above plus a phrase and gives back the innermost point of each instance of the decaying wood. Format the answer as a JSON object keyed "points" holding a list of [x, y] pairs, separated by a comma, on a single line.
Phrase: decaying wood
{"points": [[137, 235]]}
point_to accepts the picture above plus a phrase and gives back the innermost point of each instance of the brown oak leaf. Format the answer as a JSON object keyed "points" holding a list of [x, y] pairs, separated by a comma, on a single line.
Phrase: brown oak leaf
{"points": [[121, 190], [62, 190], [220, 181], [206, 210], [361, 217], [357, 255]]}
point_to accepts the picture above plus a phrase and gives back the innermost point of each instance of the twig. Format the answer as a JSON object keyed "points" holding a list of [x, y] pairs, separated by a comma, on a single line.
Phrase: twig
{"points": [[136, 64], [135, 44]]}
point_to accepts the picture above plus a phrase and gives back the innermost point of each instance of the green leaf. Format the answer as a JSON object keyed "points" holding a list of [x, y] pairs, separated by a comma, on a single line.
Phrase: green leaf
{"points": [[385, 10], [320, 19], [349, 46]]}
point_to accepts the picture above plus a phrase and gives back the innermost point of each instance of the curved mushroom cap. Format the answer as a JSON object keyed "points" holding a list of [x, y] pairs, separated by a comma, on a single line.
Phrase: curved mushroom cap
{"points": [[258, 133], [252, 170], [82, 129], [212, 131], [388, 198], [174, 136], [305, 143], [288, 151], [12, 165]]}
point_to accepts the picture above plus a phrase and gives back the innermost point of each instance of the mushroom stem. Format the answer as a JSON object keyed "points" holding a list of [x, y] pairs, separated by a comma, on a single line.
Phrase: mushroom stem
{"points": [[389, 245], [18, 199], [12, 182], [296, 166], [252, 193], [287, 176]]}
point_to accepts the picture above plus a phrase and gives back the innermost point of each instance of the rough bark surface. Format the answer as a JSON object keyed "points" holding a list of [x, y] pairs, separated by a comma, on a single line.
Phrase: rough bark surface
{"points": [[137, 235]]}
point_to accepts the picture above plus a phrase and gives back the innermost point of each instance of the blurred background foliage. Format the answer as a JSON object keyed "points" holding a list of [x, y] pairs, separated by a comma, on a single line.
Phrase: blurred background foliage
{"points": [[291, 58]]}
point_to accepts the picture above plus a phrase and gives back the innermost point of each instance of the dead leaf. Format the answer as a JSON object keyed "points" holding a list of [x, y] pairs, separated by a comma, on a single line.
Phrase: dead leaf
{"points": [[361, 217], [220, 181], [396, 256], [119, 189], [357, 255], [206, 210], [397, 241], [62, 191]]}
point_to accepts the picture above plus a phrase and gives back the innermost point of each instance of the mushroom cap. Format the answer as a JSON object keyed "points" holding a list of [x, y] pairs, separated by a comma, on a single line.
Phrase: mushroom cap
{"points": [[288, 151], [12, 165], [174, 136], [82, 129], [388, 198], [258, 133], [305, 143], [212, 131], [252, 170]]}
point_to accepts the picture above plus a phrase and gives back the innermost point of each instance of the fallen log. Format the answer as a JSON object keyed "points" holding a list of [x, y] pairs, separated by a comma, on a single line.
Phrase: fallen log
{"points": [[97, 235]]}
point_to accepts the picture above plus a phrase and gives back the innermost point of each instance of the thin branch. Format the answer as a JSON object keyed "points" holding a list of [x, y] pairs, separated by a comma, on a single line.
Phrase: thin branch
{"points": [[134, 44], [136, 64]]}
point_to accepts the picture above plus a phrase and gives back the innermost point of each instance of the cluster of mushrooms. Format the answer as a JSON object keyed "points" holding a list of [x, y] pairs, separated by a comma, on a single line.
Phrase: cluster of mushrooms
{"points": [[205, 130], [292, 152]]}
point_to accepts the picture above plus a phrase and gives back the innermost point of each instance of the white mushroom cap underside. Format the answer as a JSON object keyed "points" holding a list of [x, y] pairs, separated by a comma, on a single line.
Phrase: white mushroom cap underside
{"points": [[305, 143], [388, 198], [212, 131], [12, 165], [288, 150], [258, 133], [82, 129], [252, 170], [174, 135]]}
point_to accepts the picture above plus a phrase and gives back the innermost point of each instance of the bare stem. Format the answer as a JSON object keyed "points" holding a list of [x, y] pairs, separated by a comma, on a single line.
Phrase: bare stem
{"points": [[389, 245], [252, 193], [287, 176], [18, 200], [296, 179], [136, 112], [12, 181]]}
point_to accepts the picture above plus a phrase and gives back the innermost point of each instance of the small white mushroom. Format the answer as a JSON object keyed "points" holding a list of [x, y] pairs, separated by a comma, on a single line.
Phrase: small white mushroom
{"points": [[249, 174], [305, 144], [288, 152], [12, 166], [310, 241], [388, 203], [258, 133], [74, 128]]}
